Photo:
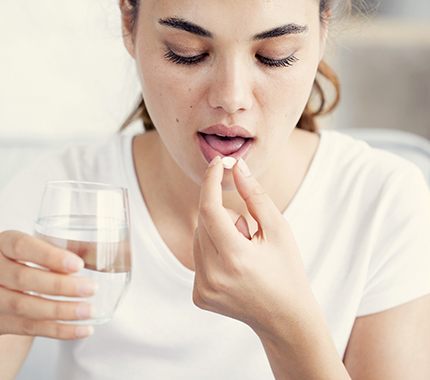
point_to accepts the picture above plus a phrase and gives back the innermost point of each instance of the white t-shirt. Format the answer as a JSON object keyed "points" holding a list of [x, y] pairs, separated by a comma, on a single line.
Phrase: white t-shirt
{"points": [[361, 219]]}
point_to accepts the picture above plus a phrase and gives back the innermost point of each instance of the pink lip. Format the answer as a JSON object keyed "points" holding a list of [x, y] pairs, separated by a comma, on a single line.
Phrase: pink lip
{"points": [[209, 153], [232, 131]]}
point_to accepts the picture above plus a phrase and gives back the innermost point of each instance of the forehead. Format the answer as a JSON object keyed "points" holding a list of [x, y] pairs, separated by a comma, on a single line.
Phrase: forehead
{"points": [[243, 17]]}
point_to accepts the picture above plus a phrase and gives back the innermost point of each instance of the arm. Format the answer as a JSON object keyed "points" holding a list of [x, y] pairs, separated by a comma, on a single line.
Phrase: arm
{"points": [[260, 280], [303, 350], [13, 351], [394, 344]]}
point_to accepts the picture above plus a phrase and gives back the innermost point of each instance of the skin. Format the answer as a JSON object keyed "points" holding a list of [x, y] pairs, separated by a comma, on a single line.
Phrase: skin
{"points": [[230, 87], [231, 256], [231, 262]]}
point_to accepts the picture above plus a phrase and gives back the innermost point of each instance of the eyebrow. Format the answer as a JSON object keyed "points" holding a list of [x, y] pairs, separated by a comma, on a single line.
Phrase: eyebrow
{"points": [[180, 23]]}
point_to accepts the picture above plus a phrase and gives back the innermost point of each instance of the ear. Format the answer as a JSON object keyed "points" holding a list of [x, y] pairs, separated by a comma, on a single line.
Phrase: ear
{"points": [[126, 27], [325, 23]]}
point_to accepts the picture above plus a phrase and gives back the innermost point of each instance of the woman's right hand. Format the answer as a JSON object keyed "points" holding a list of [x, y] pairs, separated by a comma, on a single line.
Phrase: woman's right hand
{"points": [[24, 314]]}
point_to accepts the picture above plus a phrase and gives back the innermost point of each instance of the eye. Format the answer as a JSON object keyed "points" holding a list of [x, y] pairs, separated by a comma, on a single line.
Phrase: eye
{"points": [[194, 60], [181, 60], [285, 62]]}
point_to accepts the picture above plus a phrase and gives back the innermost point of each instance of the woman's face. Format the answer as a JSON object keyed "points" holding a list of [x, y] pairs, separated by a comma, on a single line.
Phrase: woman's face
{"points": [[232, 73]]}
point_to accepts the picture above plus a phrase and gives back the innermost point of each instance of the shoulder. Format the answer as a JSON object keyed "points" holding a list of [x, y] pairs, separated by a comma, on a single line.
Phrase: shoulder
{"points": [[384, 344], [358, 163]]}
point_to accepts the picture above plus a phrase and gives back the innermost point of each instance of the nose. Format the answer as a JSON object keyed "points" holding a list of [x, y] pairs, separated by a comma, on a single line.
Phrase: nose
{"points": [[230, 88]]}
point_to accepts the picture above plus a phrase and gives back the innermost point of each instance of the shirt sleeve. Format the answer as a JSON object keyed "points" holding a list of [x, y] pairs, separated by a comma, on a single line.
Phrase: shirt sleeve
{"points": [[399, 269]]}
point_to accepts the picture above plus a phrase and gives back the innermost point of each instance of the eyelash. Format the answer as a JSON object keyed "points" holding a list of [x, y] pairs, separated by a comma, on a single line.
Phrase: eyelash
{"points": [[180, 60]]}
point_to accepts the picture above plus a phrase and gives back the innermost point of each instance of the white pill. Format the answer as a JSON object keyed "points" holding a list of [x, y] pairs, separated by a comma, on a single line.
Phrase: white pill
{"points": [[228, 162]]}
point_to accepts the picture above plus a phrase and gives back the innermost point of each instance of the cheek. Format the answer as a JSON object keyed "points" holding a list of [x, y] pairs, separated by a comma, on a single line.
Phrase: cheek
{"points": [[292, 90], [166, 90], [287, 96]]}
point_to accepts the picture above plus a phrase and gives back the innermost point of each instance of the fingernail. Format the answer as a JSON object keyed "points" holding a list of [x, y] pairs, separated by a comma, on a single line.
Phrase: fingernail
{"points": [[214, 161], [73, 263], [87, 289], [244, 167], [84, 331], [84, 311]]}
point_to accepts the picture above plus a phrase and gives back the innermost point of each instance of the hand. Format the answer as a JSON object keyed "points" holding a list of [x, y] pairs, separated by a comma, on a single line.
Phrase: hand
{"points": [[25, 314], [252, 279]]}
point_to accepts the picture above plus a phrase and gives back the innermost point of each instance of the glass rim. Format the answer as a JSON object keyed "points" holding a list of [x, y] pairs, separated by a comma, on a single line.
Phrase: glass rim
{"points": [[87, 186]]}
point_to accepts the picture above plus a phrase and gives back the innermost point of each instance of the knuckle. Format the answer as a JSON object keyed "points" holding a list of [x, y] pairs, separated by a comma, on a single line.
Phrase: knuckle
{"points": [[58, 311], [206, 209], [29, 327], [58, 285], [6, 237], [257, 195], [19, 244], [215, 283], [61, 331], [20, 307], [198, 299], [14, 305], [53, 255], [19, 277], [236, 266], [206, 292]]}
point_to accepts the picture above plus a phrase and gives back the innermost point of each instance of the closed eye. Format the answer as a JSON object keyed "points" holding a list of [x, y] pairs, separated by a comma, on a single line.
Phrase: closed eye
{"points": [[285, 62], [194, 60]]}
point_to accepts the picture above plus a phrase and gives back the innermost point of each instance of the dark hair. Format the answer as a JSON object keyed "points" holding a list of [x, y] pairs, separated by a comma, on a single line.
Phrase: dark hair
{"points": [[130, 10]]}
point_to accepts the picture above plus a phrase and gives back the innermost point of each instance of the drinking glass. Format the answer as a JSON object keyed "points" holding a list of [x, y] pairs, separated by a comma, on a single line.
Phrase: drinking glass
{"points": [[91, 220]]}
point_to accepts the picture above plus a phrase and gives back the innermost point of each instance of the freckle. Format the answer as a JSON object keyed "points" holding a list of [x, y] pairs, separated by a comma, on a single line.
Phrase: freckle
{"points": [[189, 90]]}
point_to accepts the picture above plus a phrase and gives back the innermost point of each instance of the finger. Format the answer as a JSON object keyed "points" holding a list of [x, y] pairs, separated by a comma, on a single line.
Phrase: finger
{"points": [[203, 268], [18, 246], [199, 264], [259, 204], [20, 277], [23, 326], [207, 246], [215, 217], [27, 306], [197, 252], [205, 251]]}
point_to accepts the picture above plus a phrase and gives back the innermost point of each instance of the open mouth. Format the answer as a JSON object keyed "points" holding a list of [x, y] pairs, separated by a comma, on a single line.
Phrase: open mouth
{"points": [[213, 145]]}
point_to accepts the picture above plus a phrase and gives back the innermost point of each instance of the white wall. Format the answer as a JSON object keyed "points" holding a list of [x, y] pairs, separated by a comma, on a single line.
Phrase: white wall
{"points": [[64, 71]]}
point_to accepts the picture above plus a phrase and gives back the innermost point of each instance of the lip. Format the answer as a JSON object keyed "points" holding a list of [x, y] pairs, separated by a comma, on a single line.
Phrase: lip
{"points": [[233, 131], [209, 153]]}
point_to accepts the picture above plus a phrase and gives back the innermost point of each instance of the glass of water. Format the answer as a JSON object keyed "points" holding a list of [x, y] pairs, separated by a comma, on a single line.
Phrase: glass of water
{"points": [[91, 220]]}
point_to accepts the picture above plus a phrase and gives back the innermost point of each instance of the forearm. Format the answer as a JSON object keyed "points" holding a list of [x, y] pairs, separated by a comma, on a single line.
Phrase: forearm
{"points": [[303, 350], [13, 351]]}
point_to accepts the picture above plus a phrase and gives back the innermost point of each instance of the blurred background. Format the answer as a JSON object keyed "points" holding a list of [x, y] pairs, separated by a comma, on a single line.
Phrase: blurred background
{"points": [[65, 76], [64, 72], [382, 56]]}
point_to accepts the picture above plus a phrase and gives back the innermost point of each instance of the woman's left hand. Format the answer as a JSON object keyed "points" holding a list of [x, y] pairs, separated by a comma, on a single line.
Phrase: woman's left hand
{"points": [[255, 279]]}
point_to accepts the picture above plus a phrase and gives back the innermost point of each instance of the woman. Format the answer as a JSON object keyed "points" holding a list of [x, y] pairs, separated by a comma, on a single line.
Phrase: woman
{"points": [[314, 245]]}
